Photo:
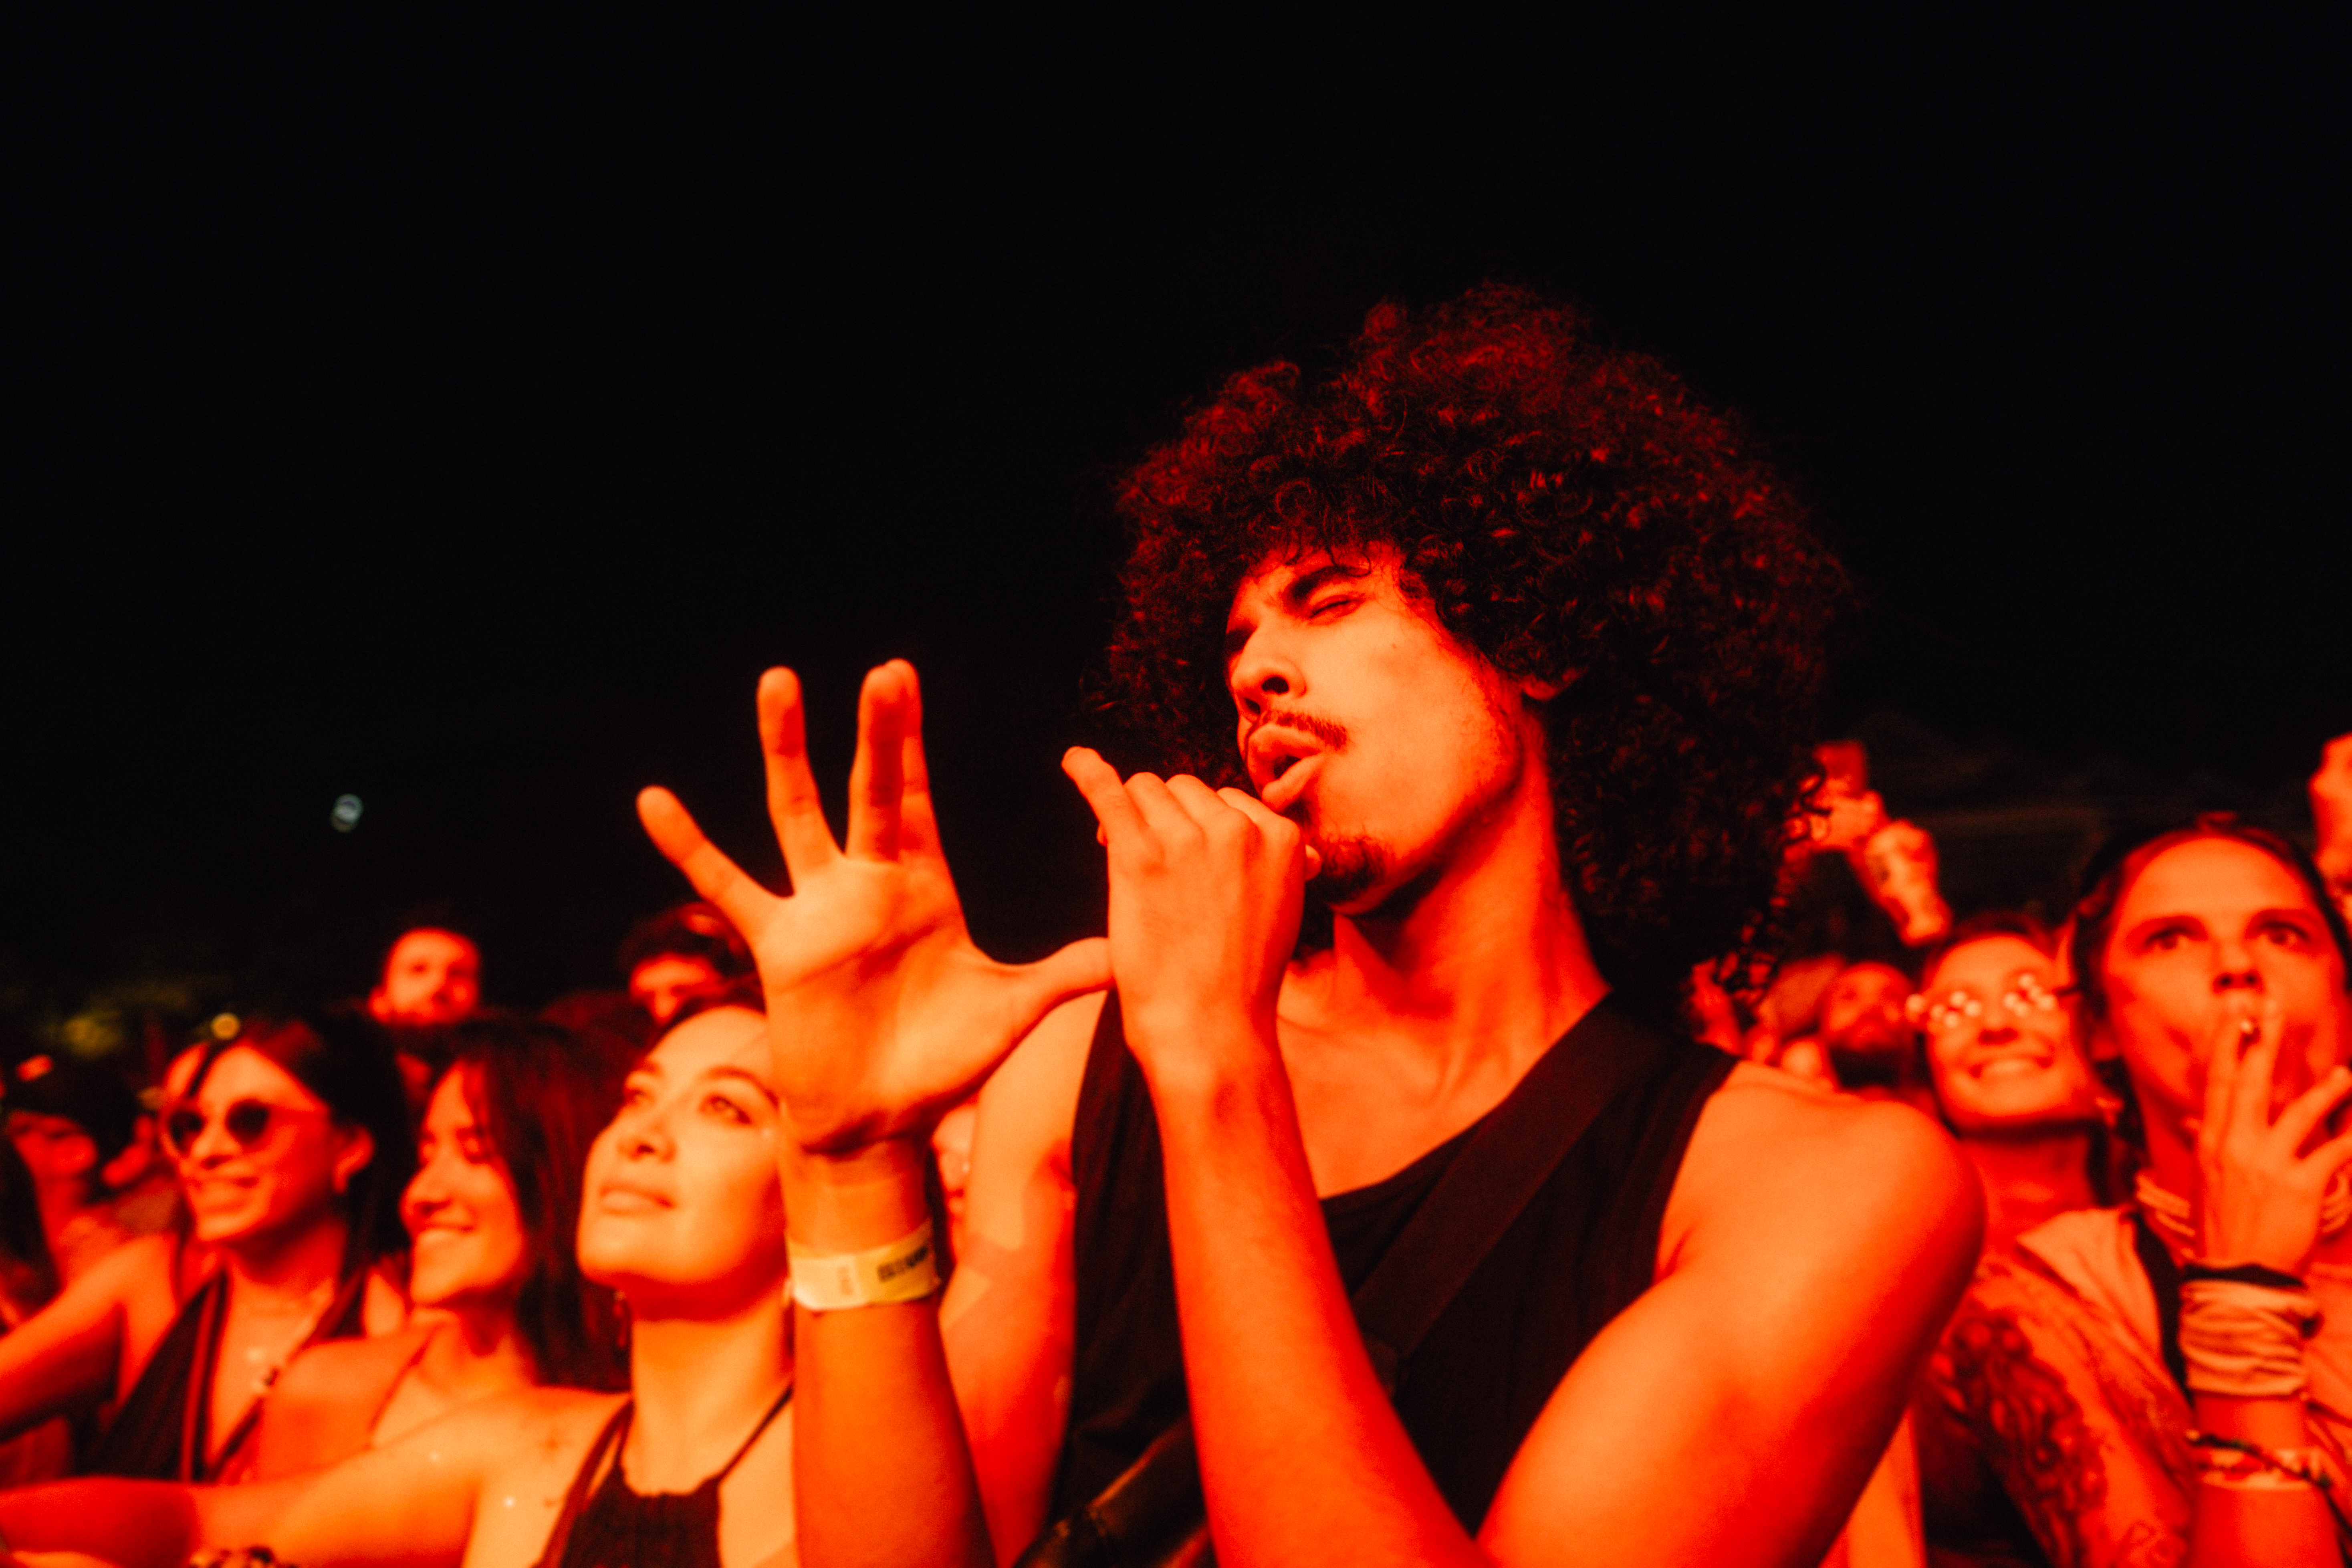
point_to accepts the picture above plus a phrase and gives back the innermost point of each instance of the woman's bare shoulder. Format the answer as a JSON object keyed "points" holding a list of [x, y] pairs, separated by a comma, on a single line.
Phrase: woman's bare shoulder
{"points": [[139, 1265], [537, 1417]]}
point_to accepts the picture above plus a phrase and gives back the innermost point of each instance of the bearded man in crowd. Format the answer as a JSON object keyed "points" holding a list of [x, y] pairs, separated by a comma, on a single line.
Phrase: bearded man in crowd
{"points": [[1520, 646]]}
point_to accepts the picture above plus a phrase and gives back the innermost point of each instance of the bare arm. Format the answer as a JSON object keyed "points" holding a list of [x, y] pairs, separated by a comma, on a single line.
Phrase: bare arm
{"points": [[882, 1014], [2017, 1371], [412, 1502], [1817, 1245], [1010, 1317], [67, 1355]]}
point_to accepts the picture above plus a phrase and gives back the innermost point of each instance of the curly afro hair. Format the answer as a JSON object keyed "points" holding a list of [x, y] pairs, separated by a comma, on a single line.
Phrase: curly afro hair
{"points": [[1573, 514]]}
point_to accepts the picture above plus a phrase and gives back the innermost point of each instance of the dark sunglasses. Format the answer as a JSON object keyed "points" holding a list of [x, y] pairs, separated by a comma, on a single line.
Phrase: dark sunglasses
{"points": [[248, 1122]]}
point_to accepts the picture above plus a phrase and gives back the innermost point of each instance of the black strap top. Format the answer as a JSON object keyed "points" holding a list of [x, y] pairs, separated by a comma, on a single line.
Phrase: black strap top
{"points": [[618, 1528], [1578, 1255], [163, 1432]]}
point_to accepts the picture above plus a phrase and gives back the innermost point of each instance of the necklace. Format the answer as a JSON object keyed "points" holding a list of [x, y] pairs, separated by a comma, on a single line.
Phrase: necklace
{"points": [[2171, 1214], [269, 1368]]}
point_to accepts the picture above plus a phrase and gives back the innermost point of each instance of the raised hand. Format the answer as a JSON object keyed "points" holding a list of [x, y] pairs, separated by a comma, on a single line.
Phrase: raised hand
{"points": [[882, 1012], [1205, 891], [2262, 1192]]}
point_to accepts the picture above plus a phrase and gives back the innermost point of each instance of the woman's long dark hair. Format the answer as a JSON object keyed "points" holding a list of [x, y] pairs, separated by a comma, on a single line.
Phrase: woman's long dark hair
{"points": [[540, 1095], [346, 1059]]}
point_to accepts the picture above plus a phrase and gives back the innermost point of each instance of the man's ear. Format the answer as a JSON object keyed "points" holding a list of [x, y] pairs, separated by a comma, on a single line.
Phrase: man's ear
{"points": [[355, 1146]]}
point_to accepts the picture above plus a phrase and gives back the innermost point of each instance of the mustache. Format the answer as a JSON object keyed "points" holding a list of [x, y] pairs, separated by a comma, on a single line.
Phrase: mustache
{"points": [[1333, 735]]}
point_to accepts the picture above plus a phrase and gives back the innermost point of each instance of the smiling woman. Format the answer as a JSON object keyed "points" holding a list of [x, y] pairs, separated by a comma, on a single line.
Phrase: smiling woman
{"points": [[682, 1212], [292, 1145], [491, 1213], [2010, 1074]]}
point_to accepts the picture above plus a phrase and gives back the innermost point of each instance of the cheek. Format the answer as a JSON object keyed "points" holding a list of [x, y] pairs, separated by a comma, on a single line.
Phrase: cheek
{"points": [[494, 1206], [750, 1199]]}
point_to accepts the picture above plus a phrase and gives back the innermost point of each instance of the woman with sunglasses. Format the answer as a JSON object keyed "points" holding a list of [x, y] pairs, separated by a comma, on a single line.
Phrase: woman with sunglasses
{"points": [[683, 1214], [493, 1274], [2010, 1076], [293, 1147], [2171, 1380]]}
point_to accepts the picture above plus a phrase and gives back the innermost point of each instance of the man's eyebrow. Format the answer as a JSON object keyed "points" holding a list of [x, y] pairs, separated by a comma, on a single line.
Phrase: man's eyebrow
{"points": [[1305, 587], [1292, 596]]}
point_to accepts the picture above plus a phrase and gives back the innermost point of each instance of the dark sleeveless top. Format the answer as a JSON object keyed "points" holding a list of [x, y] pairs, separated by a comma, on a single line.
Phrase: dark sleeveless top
{"points": [[618, 1528], [1583, 1248], [161, 1433]]}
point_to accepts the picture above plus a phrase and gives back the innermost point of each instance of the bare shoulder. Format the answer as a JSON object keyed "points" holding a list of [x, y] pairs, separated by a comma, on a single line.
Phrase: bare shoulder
{"points": [[1775, 1155], [340, 1368], [1028, 1107], [541, 1414], [538, 1439], [140, 1268]]}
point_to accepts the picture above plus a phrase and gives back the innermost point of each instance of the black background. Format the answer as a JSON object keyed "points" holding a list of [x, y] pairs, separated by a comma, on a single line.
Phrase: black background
{"points": [[463, 423]]}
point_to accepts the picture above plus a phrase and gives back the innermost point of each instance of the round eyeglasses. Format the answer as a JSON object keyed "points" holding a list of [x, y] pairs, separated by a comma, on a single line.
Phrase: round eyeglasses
{"points": [[2026, 996]]}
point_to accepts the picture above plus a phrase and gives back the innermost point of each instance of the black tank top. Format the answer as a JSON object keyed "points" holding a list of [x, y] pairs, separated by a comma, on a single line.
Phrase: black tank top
{"points": [[162, 1432], [1583, 1248], [616, 1527]]}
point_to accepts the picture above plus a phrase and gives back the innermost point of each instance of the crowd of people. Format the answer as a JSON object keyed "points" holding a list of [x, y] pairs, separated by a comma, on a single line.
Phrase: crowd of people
{"points": [[1532, 1105]]}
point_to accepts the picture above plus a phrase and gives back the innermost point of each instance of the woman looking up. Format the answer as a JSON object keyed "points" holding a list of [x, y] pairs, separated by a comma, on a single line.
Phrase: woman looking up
{"points": [[292, 1146], [2171, 1380], [683, 1214], [494, 1273]]}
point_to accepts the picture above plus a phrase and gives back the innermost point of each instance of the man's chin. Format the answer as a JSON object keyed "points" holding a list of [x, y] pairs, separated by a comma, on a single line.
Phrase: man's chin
{"points": [[1353, 870]]}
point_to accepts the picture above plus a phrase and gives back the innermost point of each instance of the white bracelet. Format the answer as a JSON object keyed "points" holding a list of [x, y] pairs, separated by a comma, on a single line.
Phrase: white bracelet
{"points": [[2246, 1340], [907, 1270]]}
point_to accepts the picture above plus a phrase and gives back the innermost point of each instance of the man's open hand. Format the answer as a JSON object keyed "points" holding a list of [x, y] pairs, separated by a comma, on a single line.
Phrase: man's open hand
{"points": [[882, 1012]]}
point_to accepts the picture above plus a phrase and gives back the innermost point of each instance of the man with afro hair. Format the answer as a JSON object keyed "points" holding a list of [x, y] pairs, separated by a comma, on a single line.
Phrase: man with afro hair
{"points": [[1471, 690]]}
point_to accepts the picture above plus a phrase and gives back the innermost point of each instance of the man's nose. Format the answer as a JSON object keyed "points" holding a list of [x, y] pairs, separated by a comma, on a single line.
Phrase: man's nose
{"points": [[1999, 1034], [1262, 671]]}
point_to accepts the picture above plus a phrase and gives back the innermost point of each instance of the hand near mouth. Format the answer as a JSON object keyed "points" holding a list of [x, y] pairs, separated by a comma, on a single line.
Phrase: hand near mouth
{"points": [[2262, 1195], [1205, 893]]}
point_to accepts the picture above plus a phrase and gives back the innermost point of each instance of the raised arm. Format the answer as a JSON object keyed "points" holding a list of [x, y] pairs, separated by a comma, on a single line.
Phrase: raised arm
{"points": [[1010, 1314], [883, 1015]]}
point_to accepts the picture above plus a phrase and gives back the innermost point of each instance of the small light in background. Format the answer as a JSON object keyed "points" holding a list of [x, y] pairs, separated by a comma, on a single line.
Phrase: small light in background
{"points": [[226, 1025], [346, 815]]}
